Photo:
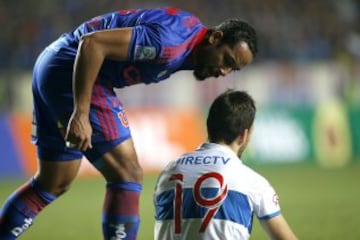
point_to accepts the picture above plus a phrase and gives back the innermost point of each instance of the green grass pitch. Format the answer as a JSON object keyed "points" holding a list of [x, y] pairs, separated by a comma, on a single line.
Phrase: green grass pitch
{"points": [[318, 204]]}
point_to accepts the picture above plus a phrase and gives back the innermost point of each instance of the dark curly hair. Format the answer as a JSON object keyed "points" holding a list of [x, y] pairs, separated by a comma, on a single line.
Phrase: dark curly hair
{"points": [[236, 30]]}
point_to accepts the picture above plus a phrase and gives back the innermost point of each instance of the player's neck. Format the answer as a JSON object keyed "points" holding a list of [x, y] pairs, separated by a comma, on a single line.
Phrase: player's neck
{"points": [[232, 146]]}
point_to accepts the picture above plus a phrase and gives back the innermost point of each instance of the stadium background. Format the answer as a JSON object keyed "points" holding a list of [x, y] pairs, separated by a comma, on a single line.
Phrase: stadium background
{"points": [[305, 80]]}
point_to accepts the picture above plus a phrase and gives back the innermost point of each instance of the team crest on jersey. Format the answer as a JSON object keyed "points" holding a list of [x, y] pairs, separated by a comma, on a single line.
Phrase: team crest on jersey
{"points": [[145, 52], [276, 199]]}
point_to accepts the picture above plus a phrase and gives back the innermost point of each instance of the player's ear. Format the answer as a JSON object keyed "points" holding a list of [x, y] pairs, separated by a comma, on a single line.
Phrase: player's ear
{"points": [[243, 138], [215, 37]]}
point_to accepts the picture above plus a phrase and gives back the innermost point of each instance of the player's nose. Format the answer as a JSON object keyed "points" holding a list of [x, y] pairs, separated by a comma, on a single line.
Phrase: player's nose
{"points": [[225, 71]]}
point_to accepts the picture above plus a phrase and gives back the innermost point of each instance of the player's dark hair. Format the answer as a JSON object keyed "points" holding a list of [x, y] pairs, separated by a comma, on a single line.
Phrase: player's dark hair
{"points": [[236, 30], [230, 114]]}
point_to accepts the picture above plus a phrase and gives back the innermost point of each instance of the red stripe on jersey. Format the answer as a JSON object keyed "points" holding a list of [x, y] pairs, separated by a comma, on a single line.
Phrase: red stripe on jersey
{"points": [[172, 11], [114, 133], [100, 113], [172, 52]]}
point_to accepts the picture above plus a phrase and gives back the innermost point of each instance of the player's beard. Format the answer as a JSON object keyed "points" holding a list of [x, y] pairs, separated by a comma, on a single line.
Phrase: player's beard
{"points": [[201, 73], [198, 76]]}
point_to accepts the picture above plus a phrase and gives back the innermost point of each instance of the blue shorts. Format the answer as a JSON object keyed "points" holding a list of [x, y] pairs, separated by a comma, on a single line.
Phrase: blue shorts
{"points": [[53, 106]]}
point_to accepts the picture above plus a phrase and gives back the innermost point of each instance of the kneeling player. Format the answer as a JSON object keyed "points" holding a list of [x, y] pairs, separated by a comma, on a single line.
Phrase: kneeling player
{"points": [[210, 193]]}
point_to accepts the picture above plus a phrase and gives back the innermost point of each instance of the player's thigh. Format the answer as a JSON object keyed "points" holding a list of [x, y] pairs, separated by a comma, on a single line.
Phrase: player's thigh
{"points": [[118, 163], [56, 176], [52, 107], [113, 152], [58, 165]]}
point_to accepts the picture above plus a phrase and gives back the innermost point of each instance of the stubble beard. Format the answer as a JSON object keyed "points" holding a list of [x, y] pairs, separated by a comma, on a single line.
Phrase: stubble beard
{"points": [[200, 74]]}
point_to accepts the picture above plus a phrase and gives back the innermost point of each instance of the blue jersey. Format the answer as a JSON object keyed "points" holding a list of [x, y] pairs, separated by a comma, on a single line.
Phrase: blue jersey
{"points": [[161, 41]]}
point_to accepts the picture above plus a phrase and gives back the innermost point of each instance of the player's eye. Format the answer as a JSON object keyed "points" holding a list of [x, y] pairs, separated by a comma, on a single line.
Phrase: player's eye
{"points": [[230, 62]]}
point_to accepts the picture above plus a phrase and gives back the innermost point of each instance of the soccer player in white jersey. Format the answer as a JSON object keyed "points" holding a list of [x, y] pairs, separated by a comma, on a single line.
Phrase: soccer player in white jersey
{"points": [[209, 193]]}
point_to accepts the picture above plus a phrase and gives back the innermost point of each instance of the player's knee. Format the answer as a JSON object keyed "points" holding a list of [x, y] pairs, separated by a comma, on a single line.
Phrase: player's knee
{"points": [[131, 171], [120, 164], [137, 173], [56, 188], [122, 170], [61, 189]]}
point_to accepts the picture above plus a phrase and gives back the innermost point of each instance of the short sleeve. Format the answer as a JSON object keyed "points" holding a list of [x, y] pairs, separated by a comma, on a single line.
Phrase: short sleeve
{"points": [[266, 201], [145, 44]]}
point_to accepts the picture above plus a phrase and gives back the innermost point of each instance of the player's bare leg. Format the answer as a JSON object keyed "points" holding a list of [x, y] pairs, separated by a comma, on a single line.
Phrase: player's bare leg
{"points": [[20, 209], [56, 177], [121, 164], [124, 176]]}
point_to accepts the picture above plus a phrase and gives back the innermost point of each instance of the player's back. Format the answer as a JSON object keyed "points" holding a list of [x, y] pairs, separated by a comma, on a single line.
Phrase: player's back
{"points": [[68, 42], [160, 43], [205, 195]]}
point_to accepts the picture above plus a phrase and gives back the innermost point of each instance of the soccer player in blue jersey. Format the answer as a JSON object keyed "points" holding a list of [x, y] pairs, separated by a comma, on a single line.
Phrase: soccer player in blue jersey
{"points": [[76, 111], [209, 193]]}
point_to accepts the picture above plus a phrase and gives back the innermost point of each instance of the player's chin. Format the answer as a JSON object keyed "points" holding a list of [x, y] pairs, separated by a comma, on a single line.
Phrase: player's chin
{"points": [[200, 76]]}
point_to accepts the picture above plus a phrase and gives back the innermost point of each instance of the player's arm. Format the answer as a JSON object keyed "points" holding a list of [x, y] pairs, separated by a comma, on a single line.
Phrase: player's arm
{"points": [[277, 228], [93, 49]]}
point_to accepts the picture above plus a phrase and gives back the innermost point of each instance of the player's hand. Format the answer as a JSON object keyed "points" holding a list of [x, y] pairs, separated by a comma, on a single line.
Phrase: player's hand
{"points": [[78, 132]]}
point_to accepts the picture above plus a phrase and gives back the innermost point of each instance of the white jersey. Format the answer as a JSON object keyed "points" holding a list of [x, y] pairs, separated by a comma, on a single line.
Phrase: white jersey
{"points": [[209, 194]]}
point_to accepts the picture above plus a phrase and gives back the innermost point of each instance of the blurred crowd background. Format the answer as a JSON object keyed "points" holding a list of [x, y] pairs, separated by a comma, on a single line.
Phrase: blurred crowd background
{"points": [[305, 79], [290, 32]]}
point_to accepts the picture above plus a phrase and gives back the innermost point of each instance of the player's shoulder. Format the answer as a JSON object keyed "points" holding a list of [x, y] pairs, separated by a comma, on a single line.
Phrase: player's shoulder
{"points": [[254, 177], [171, 12], [170, 17]]}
